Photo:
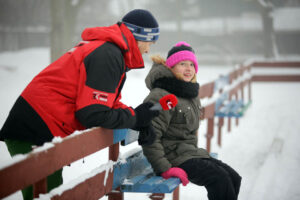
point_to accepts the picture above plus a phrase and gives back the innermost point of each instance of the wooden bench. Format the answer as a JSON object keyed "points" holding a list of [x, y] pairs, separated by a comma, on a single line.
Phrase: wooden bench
{"points": [[226, 105], [230, 102], [135, 174]]}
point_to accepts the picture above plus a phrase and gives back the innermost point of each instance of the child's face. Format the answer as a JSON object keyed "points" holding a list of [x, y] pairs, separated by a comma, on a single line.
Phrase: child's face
{"points": [[185, 69]]}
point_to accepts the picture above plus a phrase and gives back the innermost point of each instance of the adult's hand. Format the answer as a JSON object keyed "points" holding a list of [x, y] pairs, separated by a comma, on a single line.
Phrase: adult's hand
{"points": [[144, 115]]}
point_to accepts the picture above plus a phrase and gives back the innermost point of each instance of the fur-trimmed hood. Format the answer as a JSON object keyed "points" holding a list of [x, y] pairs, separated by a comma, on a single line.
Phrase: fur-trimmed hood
{"points": [[157, 71]]}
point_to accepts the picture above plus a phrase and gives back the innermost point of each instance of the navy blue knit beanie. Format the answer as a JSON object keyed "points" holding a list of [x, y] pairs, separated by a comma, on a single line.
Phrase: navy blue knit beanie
{"points": [[142, 24]]}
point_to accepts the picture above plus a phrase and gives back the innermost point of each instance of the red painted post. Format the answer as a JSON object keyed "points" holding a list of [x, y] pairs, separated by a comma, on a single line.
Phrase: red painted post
{"points": [[210, 133], [220, 124], [236, 121], [113, 155], [176, 193], [40, 187], [229, 124], [237, 98]]}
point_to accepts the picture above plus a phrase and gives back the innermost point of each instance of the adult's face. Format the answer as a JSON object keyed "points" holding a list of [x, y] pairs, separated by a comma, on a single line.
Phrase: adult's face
{"points": [[144, 47]]}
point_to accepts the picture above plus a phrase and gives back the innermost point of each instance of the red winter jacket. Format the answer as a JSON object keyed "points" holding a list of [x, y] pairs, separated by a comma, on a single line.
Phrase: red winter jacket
{"points": [[82, 89]]}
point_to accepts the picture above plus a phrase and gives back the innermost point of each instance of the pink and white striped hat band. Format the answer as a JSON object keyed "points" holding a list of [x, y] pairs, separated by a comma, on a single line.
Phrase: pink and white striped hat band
{"points": [[180, 52]]}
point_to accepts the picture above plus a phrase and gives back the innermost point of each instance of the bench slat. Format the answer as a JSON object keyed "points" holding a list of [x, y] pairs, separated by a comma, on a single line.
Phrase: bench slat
{"points": [[136, 175], [231, 109], [150, 184]]}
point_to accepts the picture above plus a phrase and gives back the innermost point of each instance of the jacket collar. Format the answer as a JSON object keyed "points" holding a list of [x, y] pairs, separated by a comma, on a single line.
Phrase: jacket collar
{"points": [[178, 87], [120, 35], [161, 77]]}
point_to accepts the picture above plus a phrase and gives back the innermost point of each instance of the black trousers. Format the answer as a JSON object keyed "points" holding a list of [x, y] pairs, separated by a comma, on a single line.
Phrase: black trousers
{"points": [[220, 180]]}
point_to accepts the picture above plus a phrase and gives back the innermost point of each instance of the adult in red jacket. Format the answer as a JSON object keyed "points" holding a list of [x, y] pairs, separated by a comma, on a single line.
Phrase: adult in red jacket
{"points": [[82, 89]]}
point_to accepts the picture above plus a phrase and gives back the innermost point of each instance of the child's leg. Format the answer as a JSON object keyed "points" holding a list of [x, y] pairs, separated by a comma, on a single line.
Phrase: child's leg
{"points": [[235, 177], [205, 172]]}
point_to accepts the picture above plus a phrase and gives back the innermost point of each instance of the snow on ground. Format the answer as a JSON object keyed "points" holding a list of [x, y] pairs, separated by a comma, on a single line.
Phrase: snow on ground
{"points": [[263, 148]]}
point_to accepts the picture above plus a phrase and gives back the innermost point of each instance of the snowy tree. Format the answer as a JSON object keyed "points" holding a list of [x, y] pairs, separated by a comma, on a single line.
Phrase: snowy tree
{"points": [[270, 47], [63, 16]]}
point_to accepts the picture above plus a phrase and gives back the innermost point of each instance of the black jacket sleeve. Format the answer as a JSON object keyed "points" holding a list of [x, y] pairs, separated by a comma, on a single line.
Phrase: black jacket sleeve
{"points": [[104, 69]]}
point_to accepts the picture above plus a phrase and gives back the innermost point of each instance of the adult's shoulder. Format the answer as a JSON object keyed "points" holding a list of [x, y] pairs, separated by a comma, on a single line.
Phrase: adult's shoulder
{"points": [[108, 55]]}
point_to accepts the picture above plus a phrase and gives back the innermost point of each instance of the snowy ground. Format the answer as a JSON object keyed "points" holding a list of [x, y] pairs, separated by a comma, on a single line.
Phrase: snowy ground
{"points": [[263, 148]]}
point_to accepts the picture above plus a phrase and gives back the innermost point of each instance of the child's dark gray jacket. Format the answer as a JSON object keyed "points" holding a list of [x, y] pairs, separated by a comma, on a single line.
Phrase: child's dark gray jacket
{"points": [[176, 129]]}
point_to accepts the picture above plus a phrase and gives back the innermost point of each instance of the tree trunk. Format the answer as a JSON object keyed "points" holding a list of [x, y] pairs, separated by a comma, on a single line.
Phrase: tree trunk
{"points": [[269, 40], [63, 16]]}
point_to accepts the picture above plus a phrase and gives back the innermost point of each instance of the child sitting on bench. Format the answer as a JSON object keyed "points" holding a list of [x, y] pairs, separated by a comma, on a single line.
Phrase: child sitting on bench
{"points": [[174, 152]]}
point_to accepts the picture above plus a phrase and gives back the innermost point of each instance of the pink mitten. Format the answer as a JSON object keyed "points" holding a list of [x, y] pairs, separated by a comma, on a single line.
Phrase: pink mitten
{"points": [[176, 172]]}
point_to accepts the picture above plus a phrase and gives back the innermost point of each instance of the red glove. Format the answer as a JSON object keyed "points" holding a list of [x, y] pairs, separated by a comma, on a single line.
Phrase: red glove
{"points": [[176, 172]]}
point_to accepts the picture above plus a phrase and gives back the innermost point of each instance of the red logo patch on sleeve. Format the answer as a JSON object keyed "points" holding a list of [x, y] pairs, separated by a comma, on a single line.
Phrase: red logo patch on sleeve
{"points": [[100, 96]]}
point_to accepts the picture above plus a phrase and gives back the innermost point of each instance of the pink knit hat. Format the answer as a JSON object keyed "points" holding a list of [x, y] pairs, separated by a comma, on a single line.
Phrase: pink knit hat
{"points": [[181, 51]]}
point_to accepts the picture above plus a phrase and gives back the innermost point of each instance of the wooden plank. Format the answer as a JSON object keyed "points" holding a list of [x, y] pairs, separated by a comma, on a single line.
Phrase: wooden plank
{"points": [[206, 90], [234, 91], [232, 76], [40, 187], [176, 194], [135, 165], [276, 64], [276, 78], [44, 163], [210, 133], [209, 111], [150, 184], [220, 124], [92, 188]]}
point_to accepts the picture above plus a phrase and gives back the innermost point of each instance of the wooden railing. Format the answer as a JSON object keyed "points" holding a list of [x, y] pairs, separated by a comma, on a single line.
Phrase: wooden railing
{"points": [[275, 65], [43, 161]]}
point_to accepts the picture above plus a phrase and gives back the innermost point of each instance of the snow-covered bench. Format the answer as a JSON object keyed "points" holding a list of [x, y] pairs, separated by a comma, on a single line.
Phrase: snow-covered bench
{"points": [[229, 86], [133, 173], [224, 98], [230, 100]]}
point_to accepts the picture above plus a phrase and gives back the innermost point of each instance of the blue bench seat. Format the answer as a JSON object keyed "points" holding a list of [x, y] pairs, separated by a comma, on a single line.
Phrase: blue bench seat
{"points": [[135, 174], [230, 108]]}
